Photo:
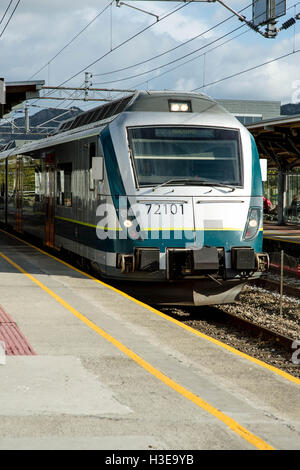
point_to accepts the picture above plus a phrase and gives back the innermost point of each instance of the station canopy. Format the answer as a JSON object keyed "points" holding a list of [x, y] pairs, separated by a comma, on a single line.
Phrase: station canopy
{"points": [[278, 140], [18, 92]]}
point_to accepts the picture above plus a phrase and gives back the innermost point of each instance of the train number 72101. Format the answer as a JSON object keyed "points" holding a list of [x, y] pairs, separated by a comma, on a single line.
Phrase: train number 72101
{"points": [[165, 209]]}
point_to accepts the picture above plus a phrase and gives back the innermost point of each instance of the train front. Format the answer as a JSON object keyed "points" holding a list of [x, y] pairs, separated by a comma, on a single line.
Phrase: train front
{"points": [[185, 184]]}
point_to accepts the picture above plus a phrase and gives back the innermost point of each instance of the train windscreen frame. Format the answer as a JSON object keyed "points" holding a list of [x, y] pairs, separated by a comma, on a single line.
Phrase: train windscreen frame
{"points": [[166, 153]]}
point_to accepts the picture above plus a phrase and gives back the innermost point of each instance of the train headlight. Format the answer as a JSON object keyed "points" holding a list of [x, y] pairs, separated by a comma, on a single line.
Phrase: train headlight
{"points": [[127, 223], [175, 107], [180, 106], [184, 107], [253, 223]]}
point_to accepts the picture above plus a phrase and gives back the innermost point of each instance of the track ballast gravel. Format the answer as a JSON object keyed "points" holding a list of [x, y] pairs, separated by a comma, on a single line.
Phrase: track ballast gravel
{"points": [[258, 306]]}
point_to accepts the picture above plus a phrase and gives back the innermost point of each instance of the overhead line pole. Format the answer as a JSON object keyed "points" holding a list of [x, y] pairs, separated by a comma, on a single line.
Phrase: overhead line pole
{"points": [[71, 99], [83, 89], [27, 126]]}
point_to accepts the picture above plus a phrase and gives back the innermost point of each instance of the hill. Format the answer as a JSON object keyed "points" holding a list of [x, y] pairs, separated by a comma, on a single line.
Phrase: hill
{"points": [[290, 108], [41, 123]]}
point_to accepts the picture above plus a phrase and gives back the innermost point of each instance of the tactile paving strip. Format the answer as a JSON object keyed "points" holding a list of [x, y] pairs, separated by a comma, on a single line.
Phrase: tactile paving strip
{"points": [[15, 342]]}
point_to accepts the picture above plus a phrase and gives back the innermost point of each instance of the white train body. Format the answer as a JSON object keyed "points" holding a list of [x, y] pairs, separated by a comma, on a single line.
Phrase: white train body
{"points": [[164, 190]]}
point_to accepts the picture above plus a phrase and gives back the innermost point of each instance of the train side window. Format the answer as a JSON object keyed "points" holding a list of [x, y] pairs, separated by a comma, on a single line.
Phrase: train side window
{"points": [[64, 184], [38, 177], [92, 154]]}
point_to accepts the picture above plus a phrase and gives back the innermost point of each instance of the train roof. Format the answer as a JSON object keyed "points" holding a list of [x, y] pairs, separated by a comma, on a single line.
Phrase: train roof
{"points": [[91, 122]]}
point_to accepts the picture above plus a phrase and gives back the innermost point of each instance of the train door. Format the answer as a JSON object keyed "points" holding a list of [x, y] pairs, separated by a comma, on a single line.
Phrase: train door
{"points": [[50, 199]]}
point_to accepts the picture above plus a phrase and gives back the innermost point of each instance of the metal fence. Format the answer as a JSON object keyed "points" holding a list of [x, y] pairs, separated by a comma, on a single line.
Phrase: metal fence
{"points": [[291, 197], [291, 264], [292, 205], [283, 276]]}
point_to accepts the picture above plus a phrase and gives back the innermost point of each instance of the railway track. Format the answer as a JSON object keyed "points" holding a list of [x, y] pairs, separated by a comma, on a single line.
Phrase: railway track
{"points": [[274, 286], [218, 316], [253, 326], [247, 336], [260, 331]]}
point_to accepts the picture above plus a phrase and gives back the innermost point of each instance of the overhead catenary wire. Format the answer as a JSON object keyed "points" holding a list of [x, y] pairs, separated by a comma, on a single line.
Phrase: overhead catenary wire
{"points": [[175, 60], [275, 59], [172, 61], [178, 46], [42, 124], [4, 14], [170, 50], [201, 55], [72, 40], [122, 44], [44, 107], [230, 76], [70, 110], [72, 95], [132, 37], [247, 70], [10, 18], [190, 60], [165, 16], [12, 124]]}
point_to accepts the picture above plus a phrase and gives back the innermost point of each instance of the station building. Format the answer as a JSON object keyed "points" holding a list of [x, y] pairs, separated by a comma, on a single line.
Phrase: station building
{"points": [[278, 140], [250, 111]]}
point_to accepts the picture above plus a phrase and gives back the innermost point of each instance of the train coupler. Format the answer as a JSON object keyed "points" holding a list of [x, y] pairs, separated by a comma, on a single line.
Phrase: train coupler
{"points": [[183, 262], [245, 260], [262, 262], [126, 263], [143, 259]]}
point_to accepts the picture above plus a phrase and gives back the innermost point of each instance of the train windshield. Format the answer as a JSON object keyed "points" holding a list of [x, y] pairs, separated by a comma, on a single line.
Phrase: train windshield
{"points": [[168, 153]]}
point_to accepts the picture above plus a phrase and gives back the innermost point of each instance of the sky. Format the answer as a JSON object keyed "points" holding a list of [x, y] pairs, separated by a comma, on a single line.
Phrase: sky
{"points": [[99, 37]]}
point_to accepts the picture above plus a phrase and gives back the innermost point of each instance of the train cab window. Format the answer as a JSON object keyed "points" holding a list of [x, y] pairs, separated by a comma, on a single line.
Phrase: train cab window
{"points": [[64, 185], [191, 154]]}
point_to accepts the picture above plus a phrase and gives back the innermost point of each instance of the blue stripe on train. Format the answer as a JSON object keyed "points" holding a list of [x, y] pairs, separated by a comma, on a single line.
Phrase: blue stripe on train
{"points": [[156, 238], [257, 186], [117, 188]]}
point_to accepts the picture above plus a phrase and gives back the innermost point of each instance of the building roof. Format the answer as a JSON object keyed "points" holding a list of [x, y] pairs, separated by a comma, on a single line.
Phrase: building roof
{"points": [[278, 140], [260, 109], [17, 92]]}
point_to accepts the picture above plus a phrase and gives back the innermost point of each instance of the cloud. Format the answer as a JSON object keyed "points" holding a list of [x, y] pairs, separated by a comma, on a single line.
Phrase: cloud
{"points": [[182, 84], [181, 25], [39, 30]]}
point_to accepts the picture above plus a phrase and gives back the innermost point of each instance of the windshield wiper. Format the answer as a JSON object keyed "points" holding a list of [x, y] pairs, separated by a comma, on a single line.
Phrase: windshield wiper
{"points": [[196, 181], [222, 185], [173, 180]]}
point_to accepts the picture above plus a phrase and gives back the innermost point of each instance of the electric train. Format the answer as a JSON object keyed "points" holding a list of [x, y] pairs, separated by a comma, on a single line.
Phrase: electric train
{"points": [[162, 190]]}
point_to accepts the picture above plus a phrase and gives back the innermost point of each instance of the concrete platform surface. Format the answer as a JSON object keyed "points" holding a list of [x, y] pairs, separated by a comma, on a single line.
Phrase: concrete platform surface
{"points": [[110, 373]]}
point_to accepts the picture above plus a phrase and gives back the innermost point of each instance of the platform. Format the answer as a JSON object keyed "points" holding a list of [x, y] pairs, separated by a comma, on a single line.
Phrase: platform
{"points": [[287, 233], [282, 237], [109, 372]]}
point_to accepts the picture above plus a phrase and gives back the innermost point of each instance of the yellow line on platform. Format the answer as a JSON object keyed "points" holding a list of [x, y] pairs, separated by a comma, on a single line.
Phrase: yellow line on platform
{"points": [[280, 239], [231, 423], [258, 362]]}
